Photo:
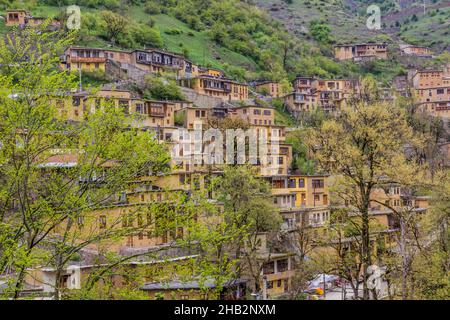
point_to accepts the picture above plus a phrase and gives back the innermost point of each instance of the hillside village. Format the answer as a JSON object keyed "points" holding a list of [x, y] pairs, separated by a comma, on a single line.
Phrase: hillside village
{"points": [[209, 98]]}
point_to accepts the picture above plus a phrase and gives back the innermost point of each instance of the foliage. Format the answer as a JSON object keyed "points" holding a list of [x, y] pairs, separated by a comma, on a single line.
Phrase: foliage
{"points": [[362, 147], [161, 89], [320, 31], [42, 200]]}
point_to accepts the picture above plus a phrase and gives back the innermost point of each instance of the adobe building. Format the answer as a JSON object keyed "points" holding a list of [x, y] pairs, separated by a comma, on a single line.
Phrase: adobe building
{"points": [[268, 88], [84, 58], [219, 87], [21, 18], [414, 50], [363, 51]]}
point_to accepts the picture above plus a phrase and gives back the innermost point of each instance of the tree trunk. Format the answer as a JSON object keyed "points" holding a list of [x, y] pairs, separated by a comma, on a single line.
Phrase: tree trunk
{"points": [[366, 254], [404, 259], [19, 283]]}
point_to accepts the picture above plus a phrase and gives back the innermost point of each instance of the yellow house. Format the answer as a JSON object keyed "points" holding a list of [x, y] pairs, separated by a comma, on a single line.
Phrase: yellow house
{"points": [[269, 88], [121, 57], [16, 17], [432, 89], [310, 190], [277, 273], [191, 115], [217, 73], [255, 115], [361, 51], [20, 17], [224, 88], [84, 58], [413, 50]]}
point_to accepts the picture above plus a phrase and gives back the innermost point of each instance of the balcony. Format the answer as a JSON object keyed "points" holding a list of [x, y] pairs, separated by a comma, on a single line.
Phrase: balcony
{"points": [[218, 89], [88, 59]]}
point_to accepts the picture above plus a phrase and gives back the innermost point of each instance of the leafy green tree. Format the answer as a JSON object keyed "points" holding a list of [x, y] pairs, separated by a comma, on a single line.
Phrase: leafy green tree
{"points": [[161, 89], [42, 201], [320, 31], [247, 203], [146, 36], [114, 24], [362, 146]]}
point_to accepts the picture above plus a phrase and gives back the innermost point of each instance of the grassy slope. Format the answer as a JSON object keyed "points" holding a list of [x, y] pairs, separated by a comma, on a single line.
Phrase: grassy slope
{"points": [[347, 19], [430, 29], [297, 16], [200, 48]]}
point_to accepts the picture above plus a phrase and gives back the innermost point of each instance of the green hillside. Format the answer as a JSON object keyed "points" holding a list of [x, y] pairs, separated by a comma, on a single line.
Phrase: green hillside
{"points": [[178, 36], [273, 39], [423, 22], [229, 34]]}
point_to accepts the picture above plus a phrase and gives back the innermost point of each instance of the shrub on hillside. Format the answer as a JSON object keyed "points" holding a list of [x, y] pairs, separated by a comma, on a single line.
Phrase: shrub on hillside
{"points": [[161, 89]]}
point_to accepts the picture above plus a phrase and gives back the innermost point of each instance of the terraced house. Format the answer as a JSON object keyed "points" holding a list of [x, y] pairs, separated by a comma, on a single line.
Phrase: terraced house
{"points": [[363, 51], [310, 93], [417, 51], [270, 88], [84, 58], [22, 18], [216, 86], [157, 61], [432, 89]]}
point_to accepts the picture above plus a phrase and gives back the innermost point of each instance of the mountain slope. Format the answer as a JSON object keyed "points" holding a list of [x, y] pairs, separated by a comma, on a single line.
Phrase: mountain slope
{"points": [[408, 20]]}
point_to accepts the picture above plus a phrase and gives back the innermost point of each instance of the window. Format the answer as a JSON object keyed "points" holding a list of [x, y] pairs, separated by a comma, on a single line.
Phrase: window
{"points": [[140, 220], [282, 265], [316, 198], [269, 268], [76, 101], [197, 113], [127, 221], [301, 183], [325, 199], [180, 233], [292, 183], [184, 297], [318, 183], [269, 284], [279, 283], [102, 222]]}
